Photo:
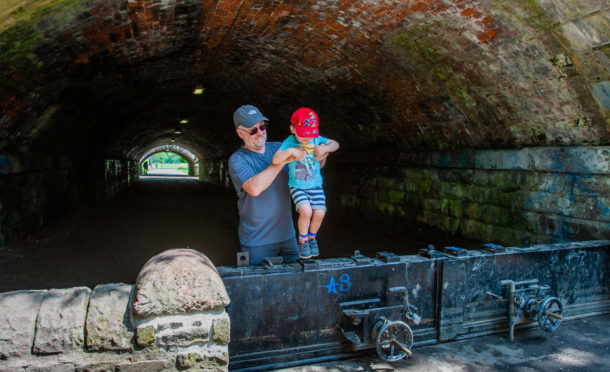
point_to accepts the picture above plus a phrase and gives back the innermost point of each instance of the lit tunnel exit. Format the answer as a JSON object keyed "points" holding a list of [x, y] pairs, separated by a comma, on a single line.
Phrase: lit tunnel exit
{"points": [[169, 160]]}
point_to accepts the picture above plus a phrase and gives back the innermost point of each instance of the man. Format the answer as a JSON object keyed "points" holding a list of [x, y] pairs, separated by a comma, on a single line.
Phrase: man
{"points": [[265, 217]]}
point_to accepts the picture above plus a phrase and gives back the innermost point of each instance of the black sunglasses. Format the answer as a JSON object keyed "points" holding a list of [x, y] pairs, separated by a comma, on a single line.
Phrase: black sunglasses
{"points": [[253, 131]]}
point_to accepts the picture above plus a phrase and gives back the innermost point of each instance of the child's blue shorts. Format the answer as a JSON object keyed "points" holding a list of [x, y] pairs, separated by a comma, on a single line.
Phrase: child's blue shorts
{"points": [[314, 197]]}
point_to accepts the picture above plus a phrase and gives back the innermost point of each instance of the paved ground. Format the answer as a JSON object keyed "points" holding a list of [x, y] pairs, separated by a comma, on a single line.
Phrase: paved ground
{"points": [[577, 345]]}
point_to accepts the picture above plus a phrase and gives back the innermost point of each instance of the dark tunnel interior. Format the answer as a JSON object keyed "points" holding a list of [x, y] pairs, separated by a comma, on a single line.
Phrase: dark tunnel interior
{"points": [[485, 120]]}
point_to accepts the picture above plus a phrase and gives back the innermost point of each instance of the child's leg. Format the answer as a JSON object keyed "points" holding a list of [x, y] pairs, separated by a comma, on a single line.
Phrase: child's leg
{"points": [[318, 204], [304, 221], [304, 210], [303, 206], [316, 221]]}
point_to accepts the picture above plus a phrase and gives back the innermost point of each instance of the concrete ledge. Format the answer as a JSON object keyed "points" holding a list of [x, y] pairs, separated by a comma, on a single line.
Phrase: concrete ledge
{"points": [[573, 159]]}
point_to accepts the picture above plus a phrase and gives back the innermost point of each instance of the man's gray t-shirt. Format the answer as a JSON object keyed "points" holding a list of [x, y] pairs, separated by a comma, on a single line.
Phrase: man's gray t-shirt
{"points": [[267, 218]]}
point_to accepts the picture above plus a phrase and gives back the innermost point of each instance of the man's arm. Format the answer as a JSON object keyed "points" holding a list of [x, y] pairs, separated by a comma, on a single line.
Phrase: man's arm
{"points": [[288, 155], [255, 185], [258, 183]]}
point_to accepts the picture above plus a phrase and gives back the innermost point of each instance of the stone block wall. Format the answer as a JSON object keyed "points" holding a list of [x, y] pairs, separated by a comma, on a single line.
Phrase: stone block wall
{"points": [[31, 190], [151, 326], [118, 175], [215, 171], [544, 195], [34, 188]]}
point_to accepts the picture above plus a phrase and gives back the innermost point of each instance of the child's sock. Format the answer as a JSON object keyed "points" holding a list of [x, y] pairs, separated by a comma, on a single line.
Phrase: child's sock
{"points": [[303, 238], [311, 235]]}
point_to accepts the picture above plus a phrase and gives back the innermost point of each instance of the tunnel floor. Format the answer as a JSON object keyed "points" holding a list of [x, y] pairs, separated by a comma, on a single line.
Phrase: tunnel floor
{"points": [[92, 245]]}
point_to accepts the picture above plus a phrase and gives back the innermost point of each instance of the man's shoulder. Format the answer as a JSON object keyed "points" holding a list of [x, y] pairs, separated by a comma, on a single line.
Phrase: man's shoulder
{"points": [[273, 146], [238, 156]]}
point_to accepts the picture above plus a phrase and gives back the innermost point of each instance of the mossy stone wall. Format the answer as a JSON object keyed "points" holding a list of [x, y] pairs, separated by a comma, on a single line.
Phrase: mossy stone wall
{"points": [[540, 195]]}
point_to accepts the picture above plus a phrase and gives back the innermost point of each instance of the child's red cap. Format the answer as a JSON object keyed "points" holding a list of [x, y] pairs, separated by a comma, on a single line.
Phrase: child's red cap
{"points": [[305, 122]]}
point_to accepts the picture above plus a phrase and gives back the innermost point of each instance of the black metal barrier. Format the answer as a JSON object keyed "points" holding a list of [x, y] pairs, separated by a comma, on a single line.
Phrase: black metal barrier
{"points": [[328, 309]]}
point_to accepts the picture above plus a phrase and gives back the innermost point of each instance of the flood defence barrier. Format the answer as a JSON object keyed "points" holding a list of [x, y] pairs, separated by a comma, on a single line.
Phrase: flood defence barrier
{"points": [[183, 313]]}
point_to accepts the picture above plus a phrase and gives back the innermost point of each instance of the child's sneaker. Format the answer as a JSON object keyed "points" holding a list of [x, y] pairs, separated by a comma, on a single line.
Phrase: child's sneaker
{"points": [[313, 247], [304, 250]]}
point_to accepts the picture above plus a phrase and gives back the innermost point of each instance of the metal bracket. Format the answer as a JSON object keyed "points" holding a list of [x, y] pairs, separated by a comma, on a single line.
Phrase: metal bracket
{"points": [[243, 259], [456, 251], [430, 252], [270, 262], [360, 259], [388, 257], [493, 248], [309, 264]]}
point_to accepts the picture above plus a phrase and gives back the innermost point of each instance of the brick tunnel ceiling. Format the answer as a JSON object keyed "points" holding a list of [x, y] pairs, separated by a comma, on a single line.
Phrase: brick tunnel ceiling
{"points": [[114, 77]]}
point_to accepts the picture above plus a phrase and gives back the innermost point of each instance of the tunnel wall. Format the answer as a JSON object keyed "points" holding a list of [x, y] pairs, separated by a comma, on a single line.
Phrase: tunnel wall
{"points": [[34, 189], [546, 194], [215, 171], [117, 176]]}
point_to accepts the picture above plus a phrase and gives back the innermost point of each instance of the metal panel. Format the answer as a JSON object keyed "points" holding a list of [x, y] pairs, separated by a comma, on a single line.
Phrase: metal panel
{"points": [[577, 273], [298, 312], [289, 314]]}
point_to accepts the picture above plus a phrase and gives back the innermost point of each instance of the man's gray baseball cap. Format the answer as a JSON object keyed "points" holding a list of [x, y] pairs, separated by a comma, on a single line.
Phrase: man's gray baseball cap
{"points": [[247, 116]]}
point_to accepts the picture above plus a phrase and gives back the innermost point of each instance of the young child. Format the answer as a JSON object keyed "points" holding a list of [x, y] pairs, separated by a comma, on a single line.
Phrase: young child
{"points": [[305, 179]]}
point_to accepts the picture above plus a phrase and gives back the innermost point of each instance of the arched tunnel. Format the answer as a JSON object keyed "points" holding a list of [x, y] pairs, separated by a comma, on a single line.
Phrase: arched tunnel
{"points": [[486, 120]]}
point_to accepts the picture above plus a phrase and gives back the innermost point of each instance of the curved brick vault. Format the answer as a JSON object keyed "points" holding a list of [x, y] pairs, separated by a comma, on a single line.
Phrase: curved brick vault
{"points": [[114, 77]]}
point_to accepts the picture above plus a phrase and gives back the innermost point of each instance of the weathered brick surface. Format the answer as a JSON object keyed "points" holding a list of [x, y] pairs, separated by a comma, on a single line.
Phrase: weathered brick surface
{"points": [[425, 73]]}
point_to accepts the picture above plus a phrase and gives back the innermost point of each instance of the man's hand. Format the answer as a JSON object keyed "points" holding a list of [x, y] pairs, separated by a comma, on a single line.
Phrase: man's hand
{"points": [[288, 155], [294, 154], [319, 152], [320, 157]]}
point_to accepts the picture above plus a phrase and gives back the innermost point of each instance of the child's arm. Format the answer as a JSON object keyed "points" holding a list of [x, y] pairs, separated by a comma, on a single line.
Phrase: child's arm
{"points": [[288, 155], [326, 148]]}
